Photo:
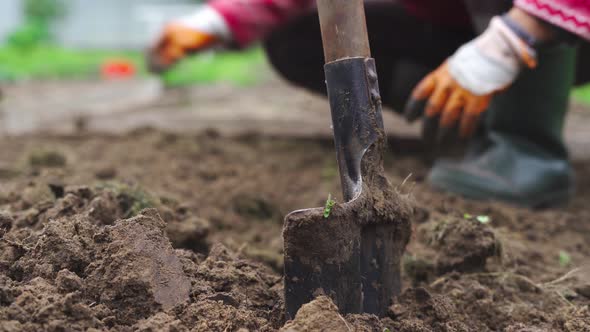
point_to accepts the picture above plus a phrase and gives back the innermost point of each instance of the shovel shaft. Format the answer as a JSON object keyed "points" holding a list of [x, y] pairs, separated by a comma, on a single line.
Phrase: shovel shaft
{"points": [[344, 29]]}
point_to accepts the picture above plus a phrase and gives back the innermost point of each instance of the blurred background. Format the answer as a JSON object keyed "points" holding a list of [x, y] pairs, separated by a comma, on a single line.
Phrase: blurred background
{"points": [[49, 39], [67, 65], [65, 39]]}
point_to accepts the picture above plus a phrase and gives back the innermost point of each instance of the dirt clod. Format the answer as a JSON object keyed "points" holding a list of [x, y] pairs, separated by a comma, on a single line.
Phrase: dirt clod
{"points": [[153, 273], [451, 244], [106, 173], [68, 281], [419, 309], [460, 244], [61, 244], [5, 223], [47, 158], [190, 233], [318, 315]]}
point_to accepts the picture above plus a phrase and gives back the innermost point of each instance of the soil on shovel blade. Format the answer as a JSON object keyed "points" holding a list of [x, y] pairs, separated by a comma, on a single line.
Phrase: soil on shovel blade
{"points": [[155, 231]]}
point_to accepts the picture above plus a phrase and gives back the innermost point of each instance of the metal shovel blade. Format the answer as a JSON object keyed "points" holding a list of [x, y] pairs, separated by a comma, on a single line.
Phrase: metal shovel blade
{"points": [[322, 257], [354, 255]]}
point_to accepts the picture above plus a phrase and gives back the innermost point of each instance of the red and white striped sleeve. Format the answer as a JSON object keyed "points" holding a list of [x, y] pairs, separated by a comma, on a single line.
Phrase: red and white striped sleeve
{"points": [[251, 20], [570, 15]]}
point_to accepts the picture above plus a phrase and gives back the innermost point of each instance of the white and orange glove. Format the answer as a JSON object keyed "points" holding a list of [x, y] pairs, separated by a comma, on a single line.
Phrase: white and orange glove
{"points": [[202, 30], [460, 90]]}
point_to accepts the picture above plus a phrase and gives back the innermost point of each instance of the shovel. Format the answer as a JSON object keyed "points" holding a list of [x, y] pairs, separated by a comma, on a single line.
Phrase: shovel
{"points": [[352, 253]]}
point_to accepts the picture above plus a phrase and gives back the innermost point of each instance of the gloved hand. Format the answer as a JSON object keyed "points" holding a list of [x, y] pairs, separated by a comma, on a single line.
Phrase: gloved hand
{"points": [[460, 90], [202, 30]]}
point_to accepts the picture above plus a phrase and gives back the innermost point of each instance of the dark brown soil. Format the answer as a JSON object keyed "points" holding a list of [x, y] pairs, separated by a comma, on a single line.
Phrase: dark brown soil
{"points": [[163, 232]]}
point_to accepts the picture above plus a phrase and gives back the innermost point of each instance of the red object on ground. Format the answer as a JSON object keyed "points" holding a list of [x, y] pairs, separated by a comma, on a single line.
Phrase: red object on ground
{"points": [[117, 69]]}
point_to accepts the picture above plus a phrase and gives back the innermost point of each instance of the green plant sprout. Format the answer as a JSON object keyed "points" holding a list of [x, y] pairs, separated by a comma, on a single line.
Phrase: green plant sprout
{"points": [[564, 258], [484, 219], [329, 205]]}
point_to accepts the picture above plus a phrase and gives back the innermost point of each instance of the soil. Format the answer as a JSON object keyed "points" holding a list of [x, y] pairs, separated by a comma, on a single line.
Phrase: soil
{"points": [[156, 231]]}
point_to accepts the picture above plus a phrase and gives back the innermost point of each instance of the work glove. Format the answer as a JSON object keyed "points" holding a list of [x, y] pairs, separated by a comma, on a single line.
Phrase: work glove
{"points": [[460, 90], [200, 31]]}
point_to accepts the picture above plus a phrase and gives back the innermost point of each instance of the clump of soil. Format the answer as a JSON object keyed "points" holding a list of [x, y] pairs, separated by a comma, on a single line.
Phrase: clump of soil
{"points": [[418, 310], [47, 158], [458, 244], [153, 273], [82, 248], [322, 315], [85, 270]]}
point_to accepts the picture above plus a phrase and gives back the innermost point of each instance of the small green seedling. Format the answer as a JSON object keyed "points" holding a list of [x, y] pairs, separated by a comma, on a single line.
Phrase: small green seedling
{"points": [[484, 219], [132, 199], [329, 205], [386, 330], [564, 258]]}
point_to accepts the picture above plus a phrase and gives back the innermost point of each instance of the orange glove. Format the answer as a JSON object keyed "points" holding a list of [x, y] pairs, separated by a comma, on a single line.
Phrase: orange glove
{"points": [[448, 102], [180, 38], [460, 90]]}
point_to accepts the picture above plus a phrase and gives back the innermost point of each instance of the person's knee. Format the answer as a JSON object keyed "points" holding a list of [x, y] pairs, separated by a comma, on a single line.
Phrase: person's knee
{"points": [[295, 51]]}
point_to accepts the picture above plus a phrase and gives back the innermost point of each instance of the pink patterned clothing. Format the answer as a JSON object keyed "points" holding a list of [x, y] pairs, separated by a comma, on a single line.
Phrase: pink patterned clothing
{"points": [[570, 15], [251, 20]]}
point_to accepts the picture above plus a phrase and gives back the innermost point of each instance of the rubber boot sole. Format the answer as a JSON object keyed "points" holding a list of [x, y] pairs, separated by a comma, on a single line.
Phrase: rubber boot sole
{"points": [[457, 182]]}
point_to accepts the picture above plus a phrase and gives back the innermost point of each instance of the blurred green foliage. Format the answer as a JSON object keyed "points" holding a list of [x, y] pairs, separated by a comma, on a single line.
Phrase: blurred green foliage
{"points": [[241, 68], [43, 11], [28, 35], [36, 29], [53, 62], [49, 62], [30, 54], [582, 94]]}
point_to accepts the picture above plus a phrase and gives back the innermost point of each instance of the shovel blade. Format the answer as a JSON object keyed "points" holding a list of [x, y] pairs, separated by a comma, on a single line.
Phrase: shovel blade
{"points": [[381, 251], [322, 257], [353, 256]]}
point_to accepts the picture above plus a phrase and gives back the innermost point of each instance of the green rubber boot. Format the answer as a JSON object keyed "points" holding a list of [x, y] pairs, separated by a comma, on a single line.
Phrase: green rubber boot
{"points": [[519, 156]]}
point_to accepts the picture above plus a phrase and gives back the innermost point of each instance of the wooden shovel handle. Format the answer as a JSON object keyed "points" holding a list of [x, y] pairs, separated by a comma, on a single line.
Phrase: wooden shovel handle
{"points": [[344, 29]]}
